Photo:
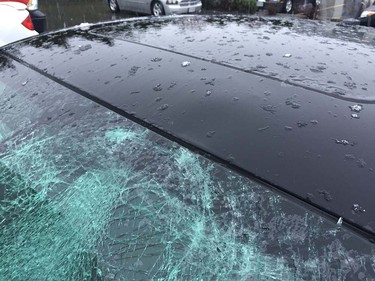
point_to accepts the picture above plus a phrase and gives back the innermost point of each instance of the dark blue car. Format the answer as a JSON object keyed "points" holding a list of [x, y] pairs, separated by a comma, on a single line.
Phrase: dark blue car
{"points": [[188, 148]]}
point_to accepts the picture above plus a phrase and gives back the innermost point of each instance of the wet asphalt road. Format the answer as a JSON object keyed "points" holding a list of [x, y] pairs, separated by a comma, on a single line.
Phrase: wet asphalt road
{"points": [[65, 13]]}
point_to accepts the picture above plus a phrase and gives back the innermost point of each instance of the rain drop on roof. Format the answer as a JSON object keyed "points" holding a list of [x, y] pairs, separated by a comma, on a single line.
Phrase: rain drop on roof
{"points": [[185, 63], [356, 108]]}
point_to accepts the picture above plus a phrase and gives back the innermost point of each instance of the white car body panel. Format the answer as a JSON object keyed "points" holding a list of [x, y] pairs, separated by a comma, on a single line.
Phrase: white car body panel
{"points": [[12, 14]]}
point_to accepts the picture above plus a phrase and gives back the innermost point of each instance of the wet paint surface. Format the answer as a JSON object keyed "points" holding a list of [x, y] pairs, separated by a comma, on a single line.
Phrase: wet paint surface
{"points": [[322, 56], [90, 195]]}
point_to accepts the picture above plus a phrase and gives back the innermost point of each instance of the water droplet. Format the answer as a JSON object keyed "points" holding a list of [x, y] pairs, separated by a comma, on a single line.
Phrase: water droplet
{"points": [[172, 85], [163, 107], [267, 93], [24, 83], [158, 88], [309, 196], [314, 122], [133, 71], [292, 104], [156, 59], [301, 124], [230, 158], [210, 134], [315, 70], [185, 63], [158, 99], [287, 56], [355, 116], [350, 85], [358, 209], [85, 48], [343, 142], [356, 108], [326, 195], [339, 222], [349, 157], [208, 93], [263, 128], [361, 163], [269, 108], [236, 99], [211, 82], [288, 128]]}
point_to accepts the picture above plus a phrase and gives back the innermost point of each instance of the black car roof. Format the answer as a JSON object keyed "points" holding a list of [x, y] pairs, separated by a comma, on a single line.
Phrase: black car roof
{"points": [[311, 136]]}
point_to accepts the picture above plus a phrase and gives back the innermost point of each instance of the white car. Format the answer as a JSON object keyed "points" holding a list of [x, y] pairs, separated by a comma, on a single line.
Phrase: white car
{"points": [[156, 7], [15, 22]]}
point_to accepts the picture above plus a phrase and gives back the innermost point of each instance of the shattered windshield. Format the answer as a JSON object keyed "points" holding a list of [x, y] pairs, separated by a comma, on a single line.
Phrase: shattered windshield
{"points": [[87, 194]]}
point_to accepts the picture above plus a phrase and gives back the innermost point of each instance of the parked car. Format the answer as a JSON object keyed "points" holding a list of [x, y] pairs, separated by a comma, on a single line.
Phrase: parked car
{"points": [[156, 7], [260, 4], [37, 17], [188, 148], [307, 7], [15, 22], [367, 17]]}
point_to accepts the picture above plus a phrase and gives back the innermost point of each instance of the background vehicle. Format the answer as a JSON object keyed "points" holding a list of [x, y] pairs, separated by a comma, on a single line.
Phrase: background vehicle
{"points": [[300, 6], [156, 7], [342, 10], [39, 18], [134, 151], [15, 22], [367, 17], [307, 7], [329, 9]]}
